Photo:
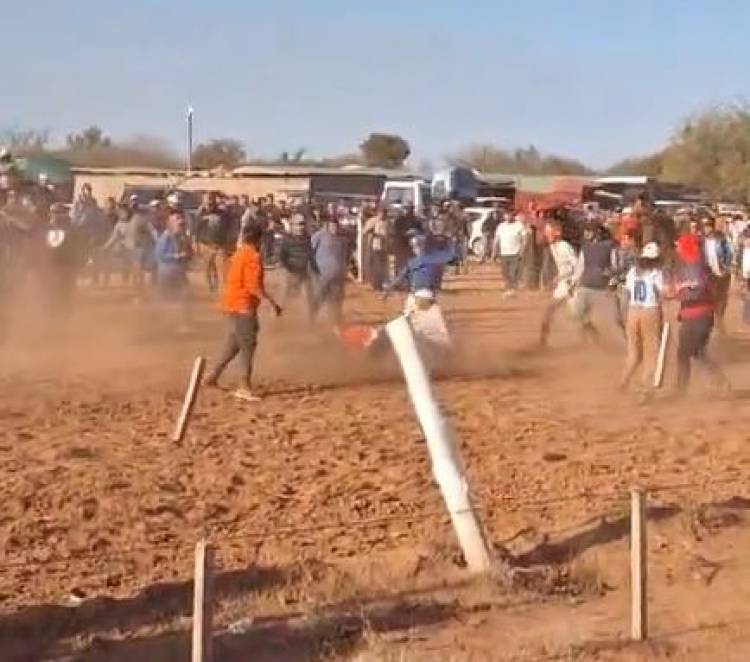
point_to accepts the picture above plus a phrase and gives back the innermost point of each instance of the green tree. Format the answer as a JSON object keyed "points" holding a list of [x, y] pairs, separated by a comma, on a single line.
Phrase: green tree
{"points": [[226, 152], [523, 161], [651, 165], [385, 150], [712, 151]]}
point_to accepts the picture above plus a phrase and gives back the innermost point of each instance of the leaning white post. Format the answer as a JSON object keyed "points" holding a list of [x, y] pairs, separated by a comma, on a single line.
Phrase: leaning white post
{"points": [[661, 358], [446, 465], [360, 249]]}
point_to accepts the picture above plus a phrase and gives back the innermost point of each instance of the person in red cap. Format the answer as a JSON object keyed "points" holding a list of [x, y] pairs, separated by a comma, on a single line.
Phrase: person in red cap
{"points": [[694, 290]]}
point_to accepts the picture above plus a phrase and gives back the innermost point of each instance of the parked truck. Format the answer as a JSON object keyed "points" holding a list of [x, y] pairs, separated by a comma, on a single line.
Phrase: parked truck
{"points": [[457, 183]]}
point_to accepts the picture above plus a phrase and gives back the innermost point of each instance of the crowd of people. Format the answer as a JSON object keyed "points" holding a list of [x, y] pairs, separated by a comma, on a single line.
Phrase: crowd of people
{"points": [[626, 264], [632, 264]]}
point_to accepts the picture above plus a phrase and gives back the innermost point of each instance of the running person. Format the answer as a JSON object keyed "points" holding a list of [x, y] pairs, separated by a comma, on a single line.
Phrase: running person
{"points": [[693, 285], [424, 275], [624, 258], [214, 235], [717, 251], [565, 259], [644, 285], [592, 277], [244, 289]]}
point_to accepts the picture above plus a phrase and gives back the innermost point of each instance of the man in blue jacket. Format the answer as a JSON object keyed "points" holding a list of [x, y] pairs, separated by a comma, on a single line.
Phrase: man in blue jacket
{"points": [[173, 253], [331, 252], [424, 275]]}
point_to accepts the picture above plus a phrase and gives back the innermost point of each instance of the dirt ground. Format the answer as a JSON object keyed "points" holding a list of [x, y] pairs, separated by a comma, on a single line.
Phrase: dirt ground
{"points": [[331, 539]]}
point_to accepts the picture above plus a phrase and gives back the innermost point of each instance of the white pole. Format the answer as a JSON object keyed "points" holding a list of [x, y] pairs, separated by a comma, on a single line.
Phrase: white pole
{"points": [[446, 465], [360, 250], [659, 372], [189, 160]]}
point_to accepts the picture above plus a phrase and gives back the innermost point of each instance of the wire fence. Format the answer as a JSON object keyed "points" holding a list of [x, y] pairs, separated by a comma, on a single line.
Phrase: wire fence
{"points": [[205, 567], [485, 504]]}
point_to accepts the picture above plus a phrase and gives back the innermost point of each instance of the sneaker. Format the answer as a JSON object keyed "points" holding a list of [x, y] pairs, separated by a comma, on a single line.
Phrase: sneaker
{"points": [[245, 394]]}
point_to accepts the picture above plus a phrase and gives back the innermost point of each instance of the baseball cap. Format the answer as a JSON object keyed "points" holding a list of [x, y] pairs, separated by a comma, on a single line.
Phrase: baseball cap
{"points": [[651, 251]]}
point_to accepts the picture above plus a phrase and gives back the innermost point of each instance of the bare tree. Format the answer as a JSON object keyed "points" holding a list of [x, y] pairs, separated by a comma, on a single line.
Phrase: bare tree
{"points": [[25, 141], [88, 139]]}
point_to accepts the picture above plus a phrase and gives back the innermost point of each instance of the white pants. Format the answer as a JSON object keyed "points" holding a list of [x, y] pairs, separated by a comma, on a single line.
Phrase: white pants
{"points": [[428, 323]]}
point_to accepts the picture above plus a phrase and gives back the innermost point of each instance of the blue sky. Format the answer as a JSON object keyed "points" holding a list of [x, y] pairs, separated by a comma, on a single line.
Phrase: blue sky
{"points": [[593, 80]]}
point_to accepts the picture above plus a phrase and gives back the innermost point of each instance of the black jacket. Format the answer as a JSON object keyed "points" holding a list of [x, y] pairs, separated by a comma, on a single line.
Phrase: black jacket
{"points": [[296, 254]]}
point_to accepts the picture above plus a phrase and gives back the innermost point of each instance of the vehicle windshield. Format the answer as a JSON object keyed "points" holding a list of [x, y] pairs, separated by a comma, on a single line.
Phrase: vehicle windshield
{"points": [[399, 195]]}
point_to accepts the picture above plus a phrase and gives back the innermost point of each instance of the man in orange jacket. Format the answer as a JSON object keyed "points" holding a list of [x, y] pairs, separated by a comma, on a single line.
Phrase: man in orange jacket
{"points": [[244, 289]]}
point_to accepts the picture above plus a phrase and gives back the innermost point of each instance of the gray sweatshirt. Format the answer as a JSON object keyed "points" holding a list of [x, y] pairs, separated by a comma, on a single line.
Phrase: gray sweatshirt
{"points": [[331, 255]]}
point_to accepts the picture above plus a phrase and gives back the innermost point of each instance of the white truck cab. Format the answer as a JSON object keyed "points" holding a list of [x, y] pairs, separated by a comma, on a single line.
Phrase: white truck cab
{"points": [[456, 183], [398, 193]]}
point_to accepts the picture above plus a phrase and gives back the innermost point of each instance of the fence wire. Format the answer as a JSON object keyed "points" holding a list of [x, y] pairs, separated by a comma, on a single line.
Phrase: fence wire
{"points": [[486, 504]]}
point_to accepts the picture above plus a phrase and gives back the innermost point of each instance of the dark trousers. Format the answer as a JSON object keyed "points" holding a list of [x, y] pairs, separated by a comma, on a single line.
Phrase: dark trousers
{"points": [[693, 340], [297, 284], [511, 267], [721, 297], [488, 241], [377, 267], [331, 294], [400, 257], [242, 339]]}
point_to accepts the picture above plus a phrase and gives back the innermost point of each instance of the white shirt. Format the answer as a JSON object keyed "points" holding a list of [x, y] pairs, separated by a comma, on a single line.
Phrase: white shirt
{"points": [[511, 235], [712, 256], [644, 287], [735, 228], [565, 259]]}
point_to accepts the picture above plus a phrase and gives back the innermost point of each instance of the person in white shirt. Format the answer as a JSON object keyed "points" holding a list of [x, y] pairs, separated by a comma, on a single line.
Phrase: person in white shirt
{"points": [[565, 259], [644, 285], [718, 254], [510, 237], [735, 227]]}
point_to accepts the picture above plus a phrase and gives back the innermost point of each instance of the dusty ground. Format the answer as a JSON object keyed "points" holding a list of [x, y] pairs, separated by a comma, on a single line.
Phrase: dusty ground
{"points": [[330, 535]]}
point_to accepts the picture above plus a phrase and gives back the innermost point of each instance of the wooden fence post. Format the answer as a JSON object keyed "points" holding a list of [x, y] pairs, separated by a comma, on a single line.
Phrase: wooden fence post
{"points": [[189, 400], [203, 603], [638, 566]]}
